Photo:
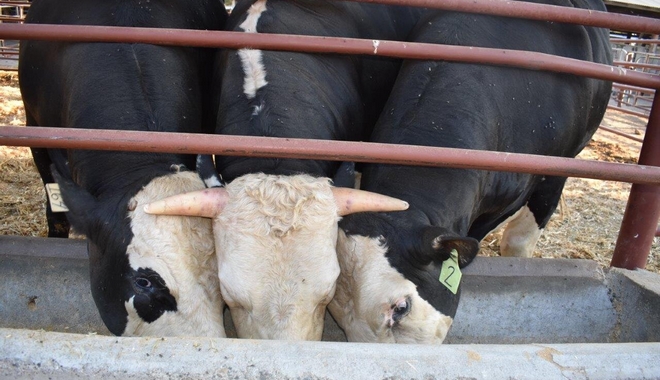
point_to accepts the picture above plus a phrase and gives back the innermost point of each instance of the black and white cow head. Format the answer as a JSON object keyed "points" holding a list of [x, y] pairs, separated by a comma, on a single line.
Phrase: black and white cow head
{"points": [[150, 275], [276, 238], [389, 288]]}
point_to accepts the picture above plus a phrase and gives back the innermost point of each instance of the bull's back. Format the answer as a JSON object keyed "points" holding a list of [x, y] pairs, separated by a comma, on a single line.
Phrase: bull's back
{"points": [[109, 85], [303, 95], [493, 107], [488, 107]]}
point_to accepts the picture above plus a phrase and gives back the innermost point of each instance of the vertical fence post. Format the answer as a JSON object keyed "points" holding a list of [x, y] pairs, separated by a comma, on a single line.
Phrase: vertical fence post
{"points": [[640, 220]]}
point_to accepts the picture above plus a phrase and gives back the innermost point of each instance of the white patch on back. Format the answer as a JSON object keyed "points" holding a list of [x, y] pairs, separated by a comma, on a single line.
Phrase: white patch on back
{"points": [[256, 110], [277, 263], [521, 234], [251, 59], [212, 181], [181, 250], [366, 289]]}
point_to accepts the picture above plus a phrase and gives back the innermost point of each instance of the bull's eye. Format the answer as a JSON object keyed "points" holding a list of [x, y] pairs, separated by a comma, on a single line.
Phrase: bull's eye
{"points": [[401, 309], [143, 283]]}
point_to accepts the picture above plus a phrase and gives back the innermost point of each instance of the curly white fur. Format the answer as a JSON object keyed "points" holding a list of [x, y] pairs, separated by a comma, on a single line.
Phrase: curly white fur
{"points": [[275, 241]]}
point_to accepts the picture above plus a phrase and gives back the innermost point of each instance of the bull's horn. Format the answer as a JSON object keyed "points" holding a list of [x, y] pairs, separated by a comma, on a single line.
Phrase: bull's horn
{"points": [[350, 201], [206, 203]]}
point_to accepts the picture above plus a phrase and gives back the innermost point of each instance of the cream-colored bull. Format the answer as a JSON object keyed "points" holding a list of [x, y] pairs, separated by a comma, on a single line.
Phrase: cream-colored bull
{"points": [[276, 242]]}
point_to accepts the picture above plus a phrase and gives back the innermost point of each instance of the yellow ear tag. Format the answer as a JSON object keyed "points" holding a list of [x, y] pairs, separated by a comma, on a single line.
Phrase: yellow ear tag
{"points": [[450, 273], [55, 198]]}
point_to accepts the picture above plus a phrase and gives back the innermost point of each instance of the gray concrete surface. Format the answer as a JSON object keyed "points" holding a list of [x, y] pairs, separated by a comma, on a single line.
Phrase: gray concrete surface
{"points": [[534, 301], [518, 318], [47, 355], [41, 292]]}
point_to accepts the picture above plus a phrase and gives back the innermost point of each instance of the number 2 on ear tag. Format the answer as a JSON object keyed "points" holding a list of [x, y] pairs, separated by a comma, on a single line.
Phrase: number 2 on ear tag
{"points": [[450, 273]]}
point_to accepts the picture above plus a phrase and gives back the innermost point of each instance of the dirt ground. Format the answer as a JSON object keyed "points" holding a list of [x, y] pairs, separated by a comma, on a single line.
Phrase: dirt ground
{"points": [[585, 225]]}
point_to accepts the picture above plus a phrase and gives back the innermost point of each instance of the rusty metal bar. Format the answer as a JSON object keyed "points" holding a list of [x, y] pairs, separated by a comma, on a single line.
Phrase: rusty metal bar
{"points": [[640, 219], [637, 65], [237, 40], [522, 9], [11, 19], [642, 114], [633, 88], [73, 138], [634, 113], [542, 12], [629, 41], [631, 137]]}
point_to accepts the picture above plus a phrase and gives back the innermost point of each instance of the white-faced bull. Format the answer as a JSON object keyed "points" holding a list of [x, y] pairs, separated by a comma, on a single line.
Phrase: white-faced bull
{"points": [[279, 273], [389, 289], [275, 240], [149, 275]]}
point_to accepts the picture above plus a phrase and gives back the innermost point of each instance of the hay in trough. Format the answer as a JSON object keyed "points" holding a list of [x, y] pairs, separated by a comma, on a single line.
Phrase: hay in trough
{"points": [[585, 226]]}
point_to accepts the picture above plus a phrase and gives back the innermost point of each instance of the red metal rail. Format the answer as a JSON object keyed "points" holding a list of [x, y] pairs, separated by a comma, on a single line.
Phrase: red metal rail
{"points": [[633, 88], [11, 19], [631, 41], [640, 220], [631, 137], [237, 40], [618, 95], [637, 65], [542, 12], [71, 138]]}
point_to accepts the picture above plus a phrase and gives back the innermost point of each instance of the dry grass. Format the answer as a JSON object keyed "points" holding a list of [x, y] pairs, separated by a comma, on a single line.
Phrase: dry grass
{"points": [[585, 226], [22, 197]]}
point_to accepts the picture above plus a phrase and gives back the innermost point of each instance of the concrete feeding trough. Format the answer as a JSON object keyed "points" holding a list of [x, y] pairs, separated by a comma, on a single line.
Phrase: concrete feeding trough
{"points": [[518, 318]]}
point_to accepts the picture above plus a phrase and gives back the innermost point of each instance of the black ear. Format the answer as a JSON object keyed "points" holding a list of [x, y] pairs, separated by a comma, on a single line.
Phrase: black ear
{"points": [[80, 203], [206, 170], [58, 158], [437, 244], [345, 175]]}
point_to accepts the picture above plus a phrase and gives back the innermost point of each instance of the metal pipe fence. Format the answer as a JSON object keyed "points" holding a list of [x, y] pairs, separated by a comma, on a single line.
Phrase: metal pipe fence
{"points": [[643, 210], [616, 132], [190, 143], [13, 12]]}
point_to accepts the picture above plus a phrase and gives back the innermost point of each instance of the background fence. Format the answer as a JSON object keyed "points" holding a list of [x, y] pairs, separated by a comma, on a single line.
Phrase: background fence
{"points": [[635, 73]]}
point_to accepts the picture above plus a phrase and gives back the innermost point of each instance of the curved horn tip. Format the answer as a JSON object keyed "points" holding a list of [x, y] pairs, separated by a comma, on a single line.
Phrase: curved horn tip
{"points": [[206, 203], [149, 208], [350, 201]]}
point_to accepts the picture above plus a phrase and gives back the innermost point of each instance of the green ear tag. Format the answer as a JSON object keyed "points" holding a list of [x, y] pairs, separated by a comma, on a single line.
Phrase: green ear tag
{"points": [[450, 274]]}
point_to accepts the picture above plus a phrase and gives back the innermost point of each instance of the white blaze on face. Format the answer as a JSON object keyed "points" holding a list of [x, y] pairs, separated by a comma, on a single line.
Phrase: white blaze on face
{"points": [[181, 250], [368, 292], [521, 234], [251, 59], [277, 263]]}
